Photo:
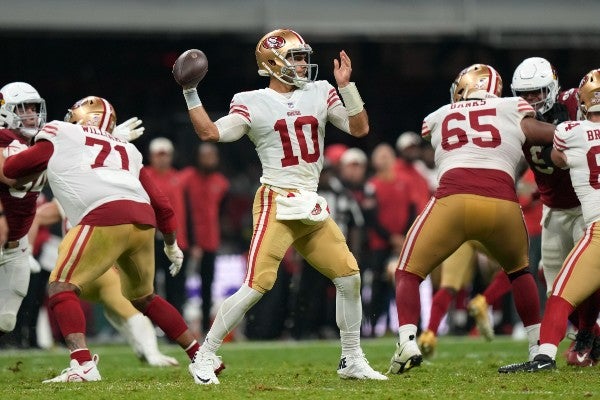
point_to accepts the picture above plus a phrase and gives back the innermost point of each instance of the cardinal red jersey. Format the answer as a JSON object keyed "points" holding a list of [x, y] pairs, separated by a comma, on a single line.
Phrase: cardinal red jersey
{"points": [[19, 203]]}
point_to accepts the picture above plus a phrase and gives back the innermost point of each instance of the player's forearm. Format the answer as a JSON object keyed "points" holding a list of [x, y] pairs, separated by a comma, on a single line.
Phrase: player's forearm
{"points": [[359, 124], [203, 125]]}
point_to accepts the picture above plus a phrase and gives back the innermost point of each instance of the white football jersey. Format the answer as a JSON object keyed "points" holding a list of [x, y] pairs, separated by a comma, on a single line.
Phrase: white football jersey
{"points": [[90, 167], [478, 134], [288, 132], [580, 142]]}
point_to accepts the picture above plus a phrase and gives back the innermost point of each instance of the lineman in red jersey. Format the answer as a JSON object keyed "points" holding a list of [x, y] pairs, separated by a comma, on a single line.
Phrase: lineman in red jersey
{"points": [[576, 147], [22, 112], [98, 180], [286, 122], [477, 140]]}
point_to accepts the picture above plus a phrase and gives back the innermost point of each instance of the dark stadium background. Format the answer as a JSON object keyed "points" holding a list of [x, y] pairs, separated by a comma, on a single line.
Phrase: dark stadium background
{"points": [[400, 78]]}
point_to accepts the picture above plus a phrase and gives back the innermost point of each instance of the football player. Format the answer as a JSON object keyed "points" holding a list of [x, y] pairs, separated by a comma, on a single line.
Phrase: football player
{"points": [[135, 327], [22, 114], [536, 81], [286, 122], [114, 208], [576, 145], [475, 199]]}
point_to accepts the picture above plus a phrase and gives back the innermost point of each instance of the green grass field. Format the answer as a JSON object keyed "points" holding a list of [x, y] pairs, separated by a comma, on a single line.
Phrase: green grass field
{"points": [[463, 368]]}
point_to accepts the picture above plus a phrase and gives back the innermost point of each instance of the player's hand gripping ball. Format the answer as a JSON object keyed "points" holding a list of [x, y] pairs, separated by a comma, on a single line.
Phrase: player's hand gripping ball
{"points": [[189, 68]]}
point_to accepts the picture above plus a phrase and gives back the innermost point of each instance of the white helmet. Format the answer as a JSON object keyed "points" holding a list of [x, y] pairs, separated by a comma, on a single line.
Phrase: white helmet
{"points": [[537, 73], [13, 99]]}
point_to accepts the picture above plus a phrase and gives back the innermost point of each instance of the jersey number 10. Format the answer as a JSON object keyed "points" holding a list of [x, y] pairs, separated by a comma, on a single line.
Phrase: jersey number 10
{"points": [[289, 159]]}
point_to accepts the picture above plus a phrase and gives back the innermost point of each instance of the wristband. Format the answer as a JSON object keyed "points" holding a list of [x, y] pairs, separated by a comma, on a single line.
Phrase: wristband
{"points": [[352, 100], [191, 98]]}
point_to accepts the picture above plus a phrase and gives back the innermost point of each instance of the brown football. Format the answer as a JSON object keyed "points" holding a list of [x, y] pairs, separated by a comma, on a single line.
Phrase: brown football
{"points": [[190, 67]]}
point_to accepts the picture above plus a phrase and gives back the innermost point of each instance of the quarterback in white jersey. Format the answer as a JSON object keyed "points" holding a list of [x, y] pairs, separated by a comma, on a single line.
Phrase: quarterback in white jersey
{"points": [[286, 122], [576, 146]]}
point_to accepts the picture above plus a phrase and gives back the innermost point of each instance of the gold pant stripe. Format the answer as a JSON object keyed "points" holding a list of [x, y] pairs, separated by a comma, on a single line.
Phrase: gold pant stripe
{"points": [[65, 271]]}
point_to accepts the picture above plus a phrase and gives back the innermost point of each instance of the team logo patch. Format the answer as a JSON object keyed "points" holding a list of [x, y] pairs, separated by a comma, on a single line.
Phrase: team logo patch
{"points": [[317, 210], [596, 99], [273, 42]]}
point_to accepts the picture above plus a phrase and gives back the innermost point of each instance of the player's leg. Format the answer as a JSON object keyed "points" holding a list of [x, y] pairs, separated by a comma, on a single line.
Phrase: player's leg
{"points": [[436, 233], [505, 237], [270, 241], [14, 281], [454, 271], [85, 254], [324, 247], [126, 319]]}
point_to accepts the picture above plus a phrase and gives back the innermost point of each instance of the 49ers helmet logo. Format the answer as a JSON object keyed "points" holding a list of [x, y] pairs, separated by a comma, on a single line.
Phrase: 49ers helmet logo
{"points": [[273, 42]]}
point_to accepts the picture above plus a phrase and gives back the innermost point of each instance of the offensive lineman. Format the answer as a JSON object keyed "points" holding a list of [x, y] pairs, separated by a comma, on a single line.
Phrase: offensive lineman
{"points": [[477, 140], [286, 122]]}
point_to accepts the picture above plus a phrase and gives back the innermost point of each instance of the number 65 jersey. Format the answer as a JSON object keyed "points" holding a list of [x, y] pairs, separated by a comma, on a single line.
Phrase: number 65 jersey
{"points": [[289, 132], [90, 167], [580, 142], [478, 145]]}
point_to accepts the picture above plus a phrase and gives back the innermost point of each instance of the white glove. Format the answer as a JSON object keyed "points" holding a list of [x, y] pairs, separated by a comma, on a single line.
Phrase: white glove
{"points": [[34, 265], [129, 130], [15, 147], [175, 255]]}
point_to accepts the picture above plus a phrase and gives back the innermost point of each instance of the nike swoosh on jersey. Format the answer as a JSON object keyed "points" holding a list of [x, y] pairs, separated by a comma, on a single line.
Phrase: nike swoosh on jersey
{"points": [[581, 358]]}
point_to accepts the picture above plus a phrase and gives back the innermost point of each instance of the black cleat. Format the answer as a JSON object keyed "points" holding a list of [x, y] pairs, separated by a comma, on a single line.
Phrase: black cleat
{"points": [[541, 362]]}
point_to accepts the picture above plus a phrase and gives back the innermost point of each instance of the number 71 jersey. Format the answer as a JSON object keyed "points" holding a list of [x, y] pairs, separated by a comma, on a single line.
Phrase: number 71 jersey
{"points": [[478, 134], [89, 167], [288, 132]]}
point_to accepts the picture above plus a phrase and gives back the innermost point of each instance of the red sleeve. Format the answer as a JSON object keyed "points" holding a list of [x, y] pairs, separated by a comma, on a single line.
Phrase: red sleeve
{"points": [[30, 161], [165, 216]]}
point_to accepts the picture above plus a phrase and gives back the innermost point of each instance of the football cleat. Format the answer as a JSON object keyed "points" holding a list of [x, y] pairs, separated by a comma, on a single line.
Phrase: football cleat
{"points": [[580, 354], [357, 367], [86, 372], [427, 343], [203, 368], [541, 362], [406, 356], [478, 309]]}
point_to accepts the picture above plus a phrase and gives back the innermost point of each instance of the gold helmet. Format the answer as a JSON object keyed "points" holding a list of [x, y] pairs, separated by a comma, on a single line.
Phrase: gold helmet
{"points": [[276, 55], [478, 81], [93, 111], [588, 95]]}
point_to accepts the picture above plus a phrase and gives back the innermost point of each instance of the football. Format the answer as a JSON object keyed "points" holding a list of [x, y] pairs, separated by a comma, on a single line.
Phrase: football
{"points": [[190, 67]]}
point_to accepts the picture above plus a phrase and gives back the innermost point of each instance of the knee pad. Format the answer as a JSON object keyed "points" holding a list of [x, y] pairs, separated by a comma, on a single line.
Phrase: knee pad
{"points": [[7, 322]]}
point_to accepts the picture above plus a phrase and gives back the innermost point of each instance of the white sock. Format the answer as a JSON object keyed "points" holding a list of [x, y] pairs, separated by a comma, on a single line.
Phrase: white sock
{"points": [[549, 350], [229, 316], [348, 312], [142, 331], [533, 337], [407, 332]]}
